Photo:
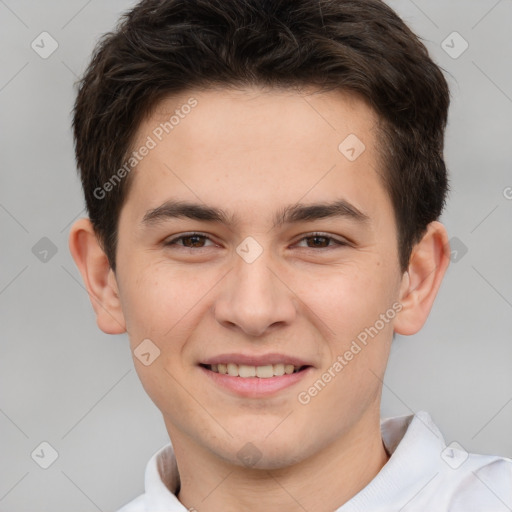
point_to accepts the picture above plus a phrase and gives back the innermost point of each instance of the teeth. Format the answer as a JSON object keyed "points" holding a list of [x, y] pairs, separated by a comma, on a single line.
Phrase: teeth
{"points": [[247, 371], [233, 370], [279, 369], [264, 372]]}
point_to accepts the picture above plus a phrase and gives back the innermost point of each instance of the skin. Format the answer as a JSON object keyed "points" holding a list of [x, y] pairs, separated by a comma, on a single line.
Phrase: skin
{"points": [[252, 152]]}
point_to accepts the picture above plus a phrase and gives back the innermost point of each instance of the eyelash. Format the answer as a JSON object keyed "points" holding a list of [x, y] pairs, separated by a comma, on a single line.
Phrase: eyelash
{"points": [[339, 243]]}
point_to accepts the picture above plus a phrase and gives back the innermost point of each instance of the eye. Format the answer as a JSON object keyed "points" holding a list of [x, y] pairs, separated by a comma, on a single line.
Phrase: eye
{"points": [[322, 241], [198, 241], [189, 241]]}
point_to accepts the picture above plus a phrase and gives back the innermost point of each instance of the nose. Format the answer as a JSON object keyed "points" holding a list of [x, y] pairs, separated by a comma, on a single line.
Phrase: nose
{"points": [[255, 298]]}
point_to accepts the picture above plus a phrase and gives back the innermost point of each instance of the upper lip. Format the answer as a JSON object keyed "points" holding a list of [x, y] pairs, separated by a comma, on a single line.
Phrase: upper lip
{"points": [[255, 360]]}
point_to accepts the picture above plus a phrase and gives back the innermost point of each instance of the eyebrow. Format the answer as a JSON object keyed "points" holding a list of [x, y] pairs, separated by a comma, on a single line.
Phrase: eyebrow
{"points": [[291, 214]]}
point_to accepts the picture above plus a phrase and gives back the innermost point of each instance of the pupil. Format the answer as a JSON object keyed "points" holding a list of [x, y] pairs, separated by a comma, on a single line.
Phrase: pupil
{"points": [[316, 242], [196, 243]]}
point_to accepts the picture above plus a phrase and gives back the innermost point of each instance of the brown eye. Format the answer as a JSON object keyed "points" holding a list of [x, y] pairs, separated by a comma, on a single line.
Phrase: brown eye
{"points": [[190, 241], [193, 241], [321, 241]]}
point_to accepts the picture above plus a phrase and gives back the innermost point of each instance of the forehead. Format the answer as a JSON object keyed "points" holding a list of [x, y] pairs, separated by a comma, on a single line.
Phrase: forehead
{"points": [[254, 147], [258, 118]]}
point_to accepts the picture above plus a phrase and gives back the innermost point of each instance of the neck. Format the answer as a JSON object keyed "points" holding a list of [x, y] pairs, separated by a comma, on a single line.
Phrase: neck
{"points": [[321, 483]]}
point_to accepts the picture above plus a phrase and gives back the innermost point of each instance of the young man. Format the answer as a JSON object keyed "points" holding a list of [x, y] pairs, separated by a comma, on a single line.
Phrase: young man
{"points": [[263, 181]]}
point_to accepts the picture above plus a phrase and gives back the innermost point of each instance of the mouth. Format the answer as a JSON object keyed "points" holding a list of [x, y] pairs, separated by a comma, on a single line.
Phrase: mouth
{"points": [[245, 371], [256, 377]]}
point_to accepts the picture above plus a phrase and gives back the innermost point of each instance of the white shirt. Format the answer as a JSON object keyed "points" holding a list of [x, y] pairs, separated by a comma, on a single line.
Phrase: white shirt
{"points": [[422, 475]]}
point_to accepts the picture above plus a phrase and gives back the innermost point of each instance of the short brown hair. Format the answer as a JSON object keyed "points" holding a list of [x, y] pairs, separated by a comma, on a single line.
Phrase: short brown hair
{"points": [[162, 47]]}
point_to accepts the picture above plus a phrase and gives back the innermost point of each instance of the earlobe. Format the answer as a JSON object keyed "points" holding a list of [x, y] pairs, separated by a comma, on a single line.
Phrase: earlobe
{"points": [[420, 284], [99, 279]]}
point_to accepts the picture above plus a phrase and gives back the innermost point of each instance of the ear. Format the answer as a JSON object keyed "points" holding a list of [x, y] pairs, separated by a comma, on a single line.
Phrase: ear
{"points": [[429, 260], [99, 279]]}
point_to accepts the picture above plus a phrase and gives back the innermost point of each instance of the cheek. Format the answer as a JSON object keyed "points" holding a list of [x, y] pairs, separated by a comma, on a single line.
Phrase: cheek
{"points": [[157, 299], [348, 298]]}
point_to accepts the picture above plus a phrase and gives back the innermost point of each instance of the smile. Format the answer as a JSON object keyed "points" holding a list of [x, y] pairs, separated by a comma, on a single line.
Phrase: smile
{"points": [[247, 371], [255, 377]]}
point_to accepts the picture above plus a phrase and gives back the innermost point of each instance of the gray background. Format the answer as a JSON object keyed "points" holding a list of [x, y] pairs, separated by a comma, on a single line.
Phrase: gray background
{"points": [[65, 382]]}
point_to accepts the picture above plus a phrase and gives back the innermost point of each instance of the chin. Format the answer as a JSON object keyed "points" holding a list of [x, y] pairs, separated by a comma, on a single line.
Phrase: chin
{"points": [[266, 454]]}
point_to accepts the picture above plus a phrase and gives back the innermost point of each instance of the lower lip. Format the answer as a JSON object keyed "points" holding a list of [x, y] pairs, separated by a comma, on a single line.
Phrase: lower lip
{"points": [[255, 387]]}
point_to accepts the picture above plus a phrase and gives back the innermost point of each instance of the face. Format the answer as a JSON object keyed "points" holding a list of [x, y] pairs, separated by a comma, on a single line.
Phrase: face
{"points": [[255, 240]]}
